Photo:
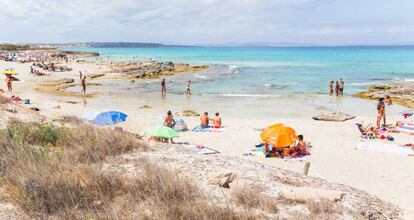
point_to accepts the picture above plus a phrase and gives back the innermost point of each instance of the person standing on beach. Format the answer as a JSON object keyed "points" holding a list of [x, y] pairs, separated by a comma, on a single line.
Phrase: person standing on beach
{"points": [[381, 112], [341, 87], [337, 88], [9, 83], [331, 88], [188, 91], [163, 87], [80, 75], [83, 84]]}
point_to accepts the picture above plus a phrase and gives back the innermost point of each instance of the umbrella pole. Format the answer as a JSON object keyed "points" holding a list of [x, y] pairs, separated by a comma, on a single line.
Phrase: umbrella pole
{"points": [[306, 168]]}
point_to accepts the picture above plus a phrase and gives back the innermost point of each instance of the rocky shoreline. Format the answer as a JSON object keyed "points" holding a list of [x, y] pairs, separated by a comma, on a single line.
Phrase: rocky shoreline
{"points": [[153, 69], [401, 93]]}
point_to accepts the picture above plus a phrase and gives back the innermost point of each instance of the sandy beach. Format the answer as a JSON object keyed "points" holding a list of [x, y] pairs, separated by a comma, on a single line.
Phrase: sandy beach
{"points": [[334, 155]]}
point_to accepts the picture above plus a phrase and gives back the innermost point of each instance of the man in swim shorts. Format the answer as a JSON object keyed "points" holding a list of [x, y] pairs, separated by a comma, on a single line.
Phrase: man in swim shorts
{"points": [[188, 91]]}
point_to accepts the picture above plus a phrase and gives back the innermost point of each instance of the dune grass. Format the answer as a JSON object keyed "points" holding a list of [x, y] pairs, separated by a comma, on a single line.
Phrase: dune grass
{"points": [[53, 172]]}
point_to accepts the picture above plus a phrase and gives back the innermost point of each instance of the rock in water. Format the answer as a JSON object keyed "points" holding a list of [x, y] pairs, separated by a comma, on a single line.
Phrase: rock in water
{"points": [[334, 116]]}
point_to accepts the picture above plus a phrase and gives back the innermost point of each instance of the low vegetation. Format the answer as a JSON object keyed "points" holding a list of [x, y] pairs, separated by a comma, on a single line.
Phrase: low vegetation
{"points": [[53, 172], [13, 47]]}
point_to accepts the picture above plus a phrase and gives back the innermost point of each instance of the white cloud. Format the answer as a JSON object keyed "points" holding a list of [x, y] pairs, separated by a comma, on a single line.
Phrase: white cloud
{"points": [[186, 21]]}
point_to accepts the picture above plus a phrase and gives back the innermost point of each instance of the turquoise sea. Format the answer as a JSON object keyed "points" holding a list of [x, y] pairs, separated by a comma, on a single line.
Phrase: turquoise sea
{"points": [[275, 71]]}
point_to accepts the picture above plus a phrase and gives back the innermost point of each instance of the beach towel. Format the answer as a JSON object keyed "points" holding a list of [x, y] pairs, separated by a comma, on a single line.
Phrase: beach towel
{"points": [[406, 128], [200, 149], [385, 147], [207, 129]]}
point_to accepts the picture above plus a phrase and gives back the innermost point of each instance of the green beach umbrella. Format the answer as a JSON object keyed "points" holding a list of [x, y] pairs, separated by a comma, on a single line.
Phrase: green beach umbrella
{"points": [[162, 132]]}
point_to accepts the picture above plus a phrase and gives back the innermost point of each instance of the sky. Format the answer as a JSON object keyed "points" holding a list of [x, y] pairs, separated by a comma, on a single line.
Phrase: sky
{"points": [[209, 22]]}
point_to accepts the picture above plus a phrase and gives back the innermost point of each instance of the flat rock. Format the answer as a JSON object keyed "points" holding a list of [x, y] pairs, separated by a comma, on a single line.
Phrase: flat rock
{"points": [[333, 116]]}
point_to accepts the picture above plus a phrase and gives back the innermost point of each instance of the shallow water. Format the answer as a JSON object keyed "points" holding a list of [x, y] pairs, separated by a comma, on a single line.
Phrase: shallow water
{"points": [[276, 71]]}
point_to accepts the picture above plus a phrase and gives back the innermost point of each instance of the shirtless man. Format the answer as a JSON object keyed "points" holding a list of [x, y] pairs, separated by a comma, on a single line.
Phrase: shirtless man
{"points": [[300, 149], [217, 121], [169, 120], [83, 84], [188, 91], [204, 120], [163, 87], [381, 112], [337, 88]]}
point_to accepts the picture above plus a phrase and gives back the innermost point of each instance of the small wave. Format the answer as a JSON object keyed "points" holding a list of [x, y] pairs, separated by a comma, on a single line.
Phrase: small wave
{"points": [[247, 95], [361, 84], [201, 77], [408, 80], [233, 69]]}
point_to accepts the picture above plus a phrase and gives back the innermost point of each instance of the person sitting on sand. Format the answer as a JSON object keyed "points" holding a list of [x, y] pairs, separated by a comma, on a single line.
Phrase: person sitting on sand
{"points": [[169, 120], [275, 152], [204, 120], [217, 121], [300, 149], [381, 112]]}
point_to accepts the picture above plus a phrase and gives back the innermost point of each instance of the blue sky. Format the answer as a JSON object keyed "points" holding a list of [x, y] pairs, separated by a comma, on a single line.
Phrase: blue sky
{"points": [[328, 22]]}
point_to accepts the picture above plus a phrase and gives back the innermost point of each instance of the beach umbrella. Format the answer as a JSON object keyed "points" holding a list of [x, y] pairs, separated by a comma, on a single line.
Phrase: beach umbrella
{"points": [[9, 71], [162, 132], [279, 135], [104, 118]]}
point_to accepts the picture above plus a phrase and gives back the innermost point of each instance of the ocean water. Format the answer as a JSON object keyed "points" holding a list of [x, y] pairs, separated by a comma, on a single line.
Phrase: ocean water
{"points": [[272, 72]]}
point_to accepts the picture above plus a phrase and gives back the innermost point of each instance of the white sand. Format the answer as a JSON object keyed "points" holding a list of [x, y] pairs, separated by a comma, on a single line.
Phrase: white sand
{"points": [[334, 155]]}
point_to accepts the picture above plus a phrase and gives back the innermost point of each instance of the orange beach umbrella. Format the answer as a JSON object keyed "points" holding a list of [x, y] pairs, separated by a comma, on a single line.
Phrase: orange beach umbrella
{"points": [[279, 135]]}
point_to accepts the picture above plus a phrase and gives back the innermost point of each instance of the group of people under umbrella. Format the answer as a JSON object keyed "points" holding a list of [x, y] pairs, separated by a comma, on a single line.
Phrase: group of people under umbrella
{"points": [[277, 140]]}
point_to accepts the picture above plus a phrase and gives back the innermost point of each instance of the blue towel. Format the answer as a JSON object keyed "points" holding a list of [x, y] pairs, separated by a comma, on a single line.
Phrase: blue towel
{"points": [[200, 129]]}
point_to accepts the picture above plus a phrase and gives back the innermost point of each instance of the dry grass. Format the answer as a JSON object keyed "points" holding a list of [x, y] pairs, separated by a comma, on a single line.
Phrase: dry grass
{"points": [[252, 198], [70, 120], [53, 172], [4, 100]]}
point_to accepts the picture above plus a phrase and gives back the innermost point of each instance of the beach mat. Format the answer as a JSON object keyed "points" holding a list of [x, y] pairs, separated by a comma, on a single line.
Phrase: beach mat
{"points": [[384, 148], [200, 149], [207, 129]]}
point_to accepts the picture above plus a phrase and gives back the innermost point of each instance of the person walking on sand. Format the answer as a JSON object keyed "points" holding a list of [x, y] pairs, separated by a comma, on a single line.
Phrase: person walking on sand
{"points": [[83, 84], [341, 87], [331, 88], [9, 83], [337, 88], [381, 112], [204, 120], [163, 87], [188, 91], [217, 121]]}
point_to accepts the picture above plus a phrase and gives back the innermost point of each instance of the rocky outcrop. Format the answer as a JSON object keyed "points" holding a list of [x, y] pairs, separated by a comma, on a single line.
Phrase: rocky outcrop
{"points": [[151, 70], [333, 116], [401, 93], [188, 113]]}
